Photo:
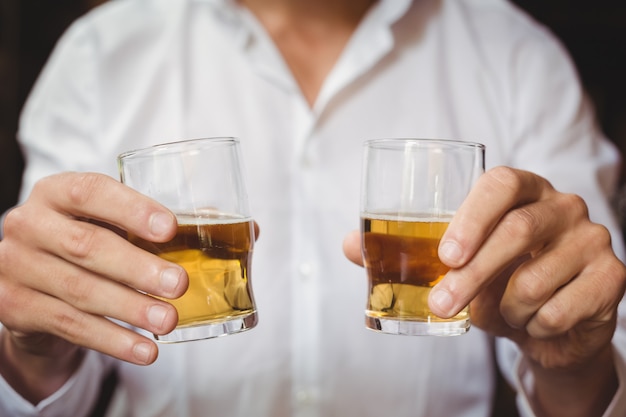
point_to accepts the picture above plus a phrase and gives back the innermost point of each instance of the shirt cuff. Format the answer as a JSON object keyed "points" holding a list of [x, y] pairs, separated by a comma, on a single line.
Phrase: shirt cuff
{"points": [[525, 383], [78, 394]]}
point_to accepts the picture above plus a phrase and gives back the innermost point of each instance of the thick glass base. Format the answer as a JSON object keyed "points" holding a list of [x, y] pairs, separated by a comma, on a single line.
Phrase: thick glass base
{"points": [[417, 328], [209, 330]]}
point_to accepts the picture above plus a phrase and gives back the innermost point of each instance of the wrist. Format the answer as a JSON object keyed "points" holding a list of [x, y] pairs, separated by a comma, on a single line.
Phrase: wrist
{"points": [[37, 373], [586, 389]]}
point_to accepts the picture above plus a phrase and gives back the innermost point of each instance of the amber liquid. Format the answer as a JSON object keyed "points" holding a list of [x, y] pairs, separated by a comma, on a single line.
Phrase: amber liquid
{"points": [[216, 252], [400, 254]]}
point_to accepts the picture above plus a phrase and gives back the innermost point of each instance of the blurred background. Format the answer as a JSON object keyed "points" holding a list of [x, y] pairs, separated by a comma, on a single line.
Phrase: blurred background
{"points": [[593, 32]]}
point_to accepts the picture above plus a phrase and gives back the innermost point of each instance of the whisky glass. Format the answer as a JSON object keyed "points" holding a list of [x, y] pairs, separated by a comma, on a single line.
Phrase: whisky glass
{"points": [[410, 191], [201, 182]]}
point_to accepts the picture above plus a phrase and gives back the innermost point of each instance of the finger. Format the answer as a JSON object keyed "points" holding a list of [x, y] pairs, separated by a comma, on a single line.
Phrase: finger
{"points": [[521, 231], [101, 251], [352, 247], [42, 313], [485, 307], [576, 306], [539, 278], [257, 231], [102, 198], [591, 298], [495, 193], [97, 295]]}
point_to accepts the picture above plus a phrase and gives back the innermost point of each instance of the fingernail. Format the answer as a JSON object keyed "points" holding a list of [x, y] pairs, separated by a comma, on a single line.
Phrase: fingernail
{"points": [[450, 251], [143, 352], [160, 223], [442, 301], [170, 278], [156, 315]]}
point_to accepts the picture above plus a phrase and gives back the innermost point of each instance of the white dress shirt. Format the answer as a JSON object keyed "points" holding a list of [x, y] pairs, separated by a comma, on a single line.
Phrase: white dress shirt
{"points": [[134, 73]]}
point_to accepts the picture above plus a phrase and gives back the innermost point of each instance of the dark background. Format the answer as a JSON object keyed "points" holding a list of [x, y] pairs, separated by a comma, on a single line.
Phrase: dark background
{"points": [[593, 31]]}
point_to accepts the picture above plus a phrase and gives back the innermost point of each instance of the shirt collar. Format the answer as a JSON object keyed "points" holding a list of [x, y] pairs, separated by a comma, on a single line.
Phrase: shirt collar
{"points": [[230, 13], [371, 41]]}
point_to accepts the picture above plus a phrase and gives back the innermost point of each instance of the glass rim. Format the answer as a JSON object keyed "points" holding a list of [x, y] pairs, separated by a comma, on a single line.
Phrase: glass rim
{"points": [[176, 146], [395, 143]]}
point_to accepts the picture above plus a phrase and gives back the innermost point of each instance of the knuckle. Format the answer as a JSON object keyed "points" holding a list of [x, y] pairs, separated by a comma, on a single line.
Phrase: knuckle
{"points": [[617, 271], [81, 241], [84, 187], [573, 204], [611, 277], [551, 319], [599, 235], [69, 324], [44, 184], [506, 177], [16, 221], [76, 291], [532, 289], [521, 224]]}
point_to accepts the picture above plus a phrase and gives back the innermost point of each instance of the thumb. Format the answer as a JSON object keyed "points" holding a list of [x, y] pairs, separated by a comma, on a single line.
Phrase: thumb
{"points": [[352, 247]]}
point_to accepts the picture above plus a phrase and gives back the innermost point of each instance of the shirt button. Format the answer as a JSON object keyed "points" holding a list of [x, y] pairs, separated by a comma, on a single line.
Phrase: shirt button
{"points": [[305, 397]]}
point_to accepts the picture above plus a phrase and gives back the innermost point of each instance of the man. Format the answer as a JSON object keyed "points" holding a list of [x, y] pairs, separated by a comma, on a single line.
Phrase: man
{"points": [[303, 84]]}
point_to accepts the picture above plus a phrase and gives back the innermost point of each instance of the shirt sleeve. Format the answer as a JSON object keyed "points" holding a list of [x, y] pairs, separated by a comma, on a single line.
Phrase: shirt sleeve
{"points": [[57, 134], [524, 381], [556, 136], [58, 125], [79, 393], [555, 132]]}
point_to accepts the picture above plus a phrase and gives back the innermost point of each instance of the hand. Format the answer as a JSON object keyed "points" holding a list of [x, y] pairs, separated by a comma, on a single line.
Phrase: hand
{"points": [[536, 269], [62, 273], [533, 268]]}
